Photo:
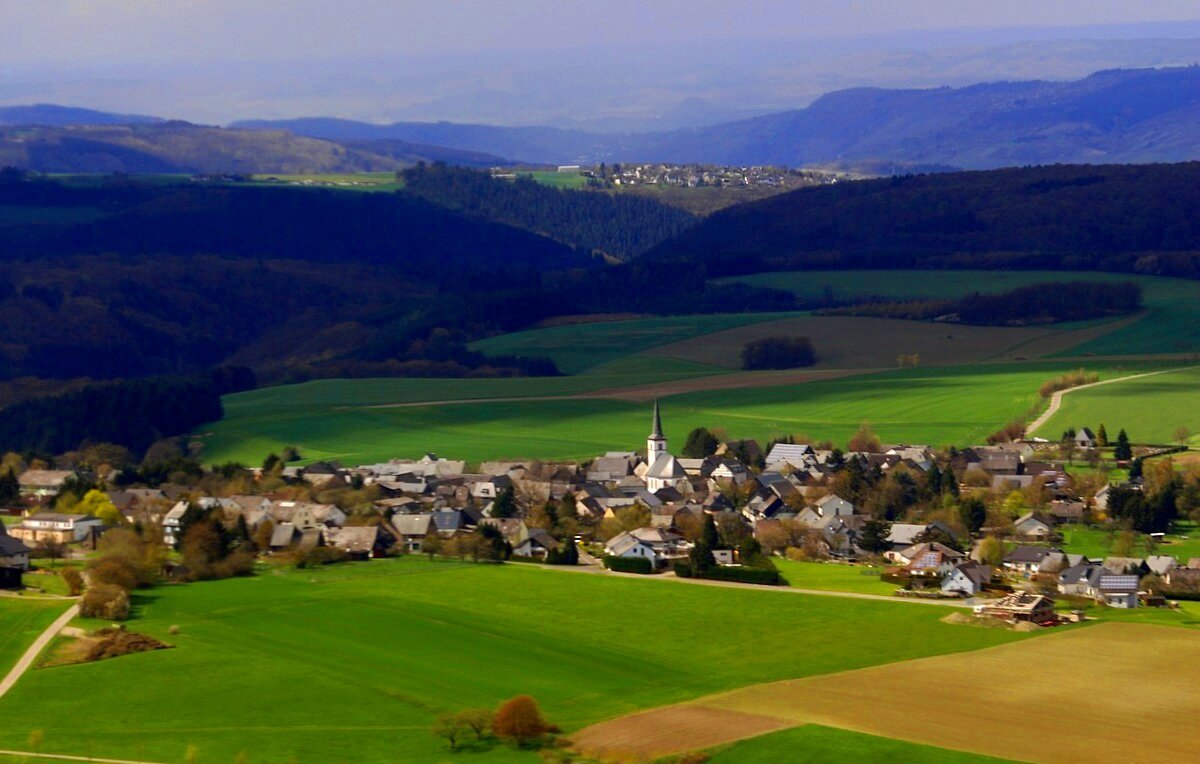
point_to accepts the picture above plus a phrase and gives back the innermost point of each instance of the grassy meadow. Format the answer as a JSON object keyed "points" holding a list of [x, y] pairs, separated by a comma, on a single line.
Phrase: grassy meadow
{"points": [[579, 347], [813, 743], [1150, 409], [833, 577], [1171, 323], [956, 405], [354, 662], [21, 621]]}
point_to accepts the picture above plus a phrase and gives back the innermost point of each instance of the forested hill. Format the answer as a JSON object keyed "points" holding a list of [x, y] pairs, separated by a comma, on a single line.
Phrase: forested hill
{"points": [[619, 226], [1115, 217], [99, 146], [1132, 115]]}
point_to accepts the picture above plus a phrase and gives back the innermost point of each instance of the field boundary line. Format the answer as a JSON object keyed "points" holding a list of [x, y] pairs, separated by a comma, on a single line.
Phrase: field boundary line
{"points": [[67, 757], [1056, 398], [26, 660]]}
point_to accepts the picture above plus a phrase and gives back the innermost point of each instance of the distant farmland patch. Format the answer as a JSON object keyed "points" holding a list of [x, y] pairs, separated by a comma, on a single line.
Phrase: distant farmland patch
{"points": [[1064, 696]]}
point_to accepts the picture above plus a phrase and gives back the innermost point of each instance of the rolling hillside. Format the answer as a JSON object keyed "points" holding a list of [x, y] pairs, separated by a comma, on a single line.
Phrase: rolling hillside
{"points": [[1137, 115], [181, 147]]}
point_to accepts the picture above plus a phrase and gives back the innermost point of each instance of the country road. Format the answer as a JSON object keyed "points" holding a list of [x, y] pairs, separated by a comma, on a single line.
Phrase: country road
{"points": [[1056, 398], [24, 663]]}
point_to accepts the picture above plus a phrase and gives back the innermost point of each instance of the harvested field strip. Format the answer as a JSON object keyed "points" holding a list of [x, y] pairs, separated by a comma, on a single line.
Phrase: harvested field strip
{"points": [[1071, 696], [849, 342]]}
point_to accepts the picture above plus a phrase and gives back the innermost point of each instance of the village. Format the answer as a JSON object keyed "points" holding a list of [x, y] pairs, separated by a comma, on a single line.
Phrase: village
{"points": [[980, 524]]}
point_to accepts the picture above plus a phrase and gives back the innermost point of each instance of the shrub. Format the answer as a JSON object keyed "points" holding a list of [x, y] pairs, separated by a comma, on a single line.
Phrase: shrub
{"points": [[519, 721], [780, 352], [629, 565], [74, 581], [115, 571], [321, 555], [107, 601], [744, 575]]}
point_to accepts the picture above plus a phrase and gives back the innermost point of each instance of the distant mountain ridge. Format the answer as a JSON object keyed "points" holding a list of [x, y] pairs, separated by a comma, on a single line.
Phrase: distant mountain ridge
{"points": [[180, 147], [1133, 115], [58, 116]]}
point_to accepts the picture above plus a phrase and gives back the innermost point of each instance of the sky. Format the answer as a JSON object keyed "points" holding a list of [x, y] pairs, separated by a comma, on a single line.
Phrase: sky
{"points": [[113, 32]]}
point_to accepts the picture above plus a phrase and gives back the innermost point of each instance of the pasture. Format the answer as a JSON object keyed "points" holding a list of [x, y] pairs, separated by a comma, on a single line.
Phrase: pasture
{"points": [[579, 347], [846, 342], [833, 577], [354, 662], [21, 621], [1070, 688], [1150, 409], [1171, 324], [1183, 543], [951, 405], [813, 743]]}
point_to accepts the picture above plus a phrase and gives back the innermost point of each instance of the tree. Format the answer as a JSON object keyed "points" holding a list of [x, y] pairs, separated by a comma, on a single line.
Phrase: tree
{"points": [[1102, 436], [505, 504], [865, 440], [991, 551], [973, 513], [519, 721], [95, 503], [701, 555], [874, 537], [1135, 469], [432, 545], [105, 601], [73, 580], [452, 729], [1122, 451], [1182, 433], [10, 488], [700, 443], [479, 721]]}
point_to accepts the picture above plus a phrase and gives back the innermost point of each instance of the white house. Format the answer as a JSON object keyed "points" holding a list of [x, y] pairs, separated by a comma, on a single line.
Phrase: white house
{"points": [[654, 544], [967, 579], [52, 526]]}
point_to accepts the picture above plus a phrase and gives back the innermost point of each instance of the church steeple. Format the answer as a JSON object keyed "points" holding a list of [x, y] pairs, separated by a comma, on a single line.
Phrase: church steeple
{"points": [[656, 444]]}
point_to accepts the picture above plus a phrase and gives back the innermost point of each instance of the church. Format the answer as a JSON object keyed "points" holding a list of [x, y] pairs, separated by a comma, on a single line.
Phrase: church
{"points": [[665, 470]]}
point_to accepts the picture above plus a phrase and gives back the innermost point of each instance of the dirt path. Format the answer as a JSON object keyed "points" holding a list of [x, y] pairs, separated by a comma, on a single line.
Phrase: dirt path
{"points": [[34, 756], [1056, 398], [26, 661]]}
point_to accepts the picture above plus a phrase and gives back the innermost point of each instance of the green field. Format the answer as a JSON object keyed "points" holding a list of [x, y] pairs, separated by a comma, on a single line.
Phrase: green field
{"points": [[26, 215], [21, 621], [579, 347], [833, 577], [1150, 409], [555, 179], [354, 662], [936, 406], [1171, 323], [1182, 543], [813, 744], [360, 181]]}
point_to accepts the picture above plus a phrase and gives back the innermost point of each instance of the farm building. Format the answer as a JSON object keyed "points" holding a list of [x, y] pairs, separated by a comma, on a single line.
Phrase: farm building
{"points": [[1020, 606]]}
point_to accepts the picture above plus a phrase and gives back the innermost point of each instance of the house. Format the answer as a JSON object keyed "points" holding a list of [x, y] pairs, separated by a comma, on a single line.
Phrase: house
{"points": [[1130, 566], [171, 523], [323, 474], [1080, 579], [45, 482], [54, 527], [491, 487], [1100, 500], [1085, 438], [361, 542], [1118, 591], [537, 543], [833, 506], [967, 579], [903, 535], [1067, 510], [654, 544], [412, 530], [929, 558], [1020, 606], [1034, 526], [797, 455], [1161, 564], [14, 560], [1027, 560]]}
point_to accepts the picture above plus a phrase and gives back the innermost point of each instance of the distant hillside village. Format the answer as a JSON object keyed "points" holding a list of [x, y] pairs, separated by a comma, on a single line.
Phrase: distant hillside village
{"points": [[985, 522]]}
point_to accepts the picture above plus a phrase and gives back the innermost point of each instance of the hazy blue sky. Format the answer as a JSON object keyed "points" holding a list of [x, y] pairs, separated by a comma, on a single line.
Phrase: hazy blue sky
{"points": [[119, 31]]}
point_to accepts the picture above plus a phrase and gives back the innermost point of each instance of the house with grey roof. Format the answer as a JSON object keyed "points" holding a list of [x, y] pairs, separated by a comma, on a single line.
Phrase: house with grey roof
{"points": [[967, 579]]}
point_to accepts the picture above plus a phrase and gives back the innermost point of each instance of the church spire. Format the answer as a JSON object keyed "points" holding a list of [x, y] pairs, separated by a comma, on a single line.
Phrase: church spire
{"points": [[656, 444]]}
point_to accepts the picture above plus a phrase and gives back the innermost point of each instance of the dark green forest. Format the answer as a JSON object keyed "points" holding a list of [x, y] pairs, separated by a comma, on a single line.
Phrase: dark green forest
{"points": [[1124, 218], [620, 226]]}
